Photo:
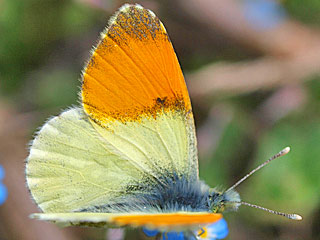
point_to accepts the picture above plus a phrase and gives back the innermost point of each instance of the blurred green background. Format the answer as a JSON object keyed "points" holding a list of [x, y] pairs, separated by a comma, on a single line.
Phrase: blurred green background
{"points": [[252, 69]]}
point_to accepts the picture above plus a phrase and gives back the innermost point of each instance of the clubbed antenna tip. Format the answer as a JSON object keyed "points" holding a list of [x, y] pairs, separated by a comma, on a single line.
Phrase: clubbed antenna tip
{"points": [[284, 151], [296, 217], [287, 215]]}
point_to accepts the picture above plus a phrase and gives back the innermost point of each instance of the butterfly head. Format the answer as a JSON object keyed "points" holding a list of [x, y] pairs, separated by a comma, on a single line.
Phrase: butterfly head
{"points": [[224, 201]]}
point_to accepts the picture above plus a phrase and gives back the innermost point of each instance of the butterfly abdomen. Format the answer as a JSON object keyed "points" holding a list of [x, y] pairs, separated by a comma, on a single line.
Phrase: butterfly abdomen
{"points": [[174, 194]]}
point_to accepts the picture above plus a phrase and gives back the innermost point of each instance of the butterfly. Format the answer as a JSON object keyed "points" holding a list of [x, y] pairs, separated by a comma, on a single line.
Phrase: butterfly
{"points": [[128, 155]]}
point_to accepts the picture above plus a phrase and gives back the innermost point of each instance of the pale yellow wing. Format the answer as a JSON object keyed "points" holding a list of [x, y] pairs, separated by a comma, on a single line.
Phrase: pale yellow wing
{"points": [[134, 89], [135, 129], [71, 167], [76, 164]]}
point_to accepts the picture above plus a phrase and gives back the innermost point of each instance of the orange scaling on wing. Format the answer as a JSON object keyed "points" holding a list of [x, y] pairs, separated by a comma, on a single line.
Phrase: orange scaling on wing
{"points": [[133, 71], [168, 219]]}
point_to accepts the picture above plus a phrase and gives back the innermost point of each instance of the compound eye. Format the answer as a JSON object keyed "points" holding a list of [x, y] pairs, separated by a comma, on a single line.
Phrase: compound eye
{"points": [[215, 209]]}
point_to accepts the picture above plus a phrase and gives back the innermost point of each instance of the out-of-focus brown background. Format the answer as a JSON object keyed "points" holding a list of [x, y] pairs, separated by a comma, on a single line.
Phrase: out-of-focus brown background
{"points": [[252, 69]]}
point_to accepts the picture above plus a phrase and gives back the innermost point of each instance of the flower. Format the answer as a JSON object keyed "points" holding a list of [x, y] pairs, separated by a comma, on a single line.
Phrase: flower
{"points": [[264, 14], [3, 189], [166, 235], [173, 236], [149, 232], [217, 230]]}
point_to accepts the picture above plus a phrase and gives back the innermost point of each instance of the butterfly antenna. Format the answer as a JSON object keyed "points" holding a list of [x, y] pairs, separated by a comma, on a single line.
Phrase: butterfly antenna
{"points": [[287, 215], [281, 153]]}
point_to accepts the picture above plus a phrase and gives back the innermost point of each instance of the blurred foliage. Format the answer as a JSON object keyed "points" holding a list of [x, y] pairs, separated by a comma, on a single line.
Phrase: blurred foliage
{"points": [[307, 12], [297, 174], [232, 145], [30, 32]]}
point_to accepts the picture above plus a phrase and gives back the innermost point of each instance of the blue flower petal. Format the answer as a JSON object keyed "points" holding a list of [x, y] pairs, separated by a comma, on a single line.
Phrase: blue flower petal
{"points": [[3, 193], [1, 172], [150, 233], [172, 236], [3, 189], [264, 14], [219, 229]]}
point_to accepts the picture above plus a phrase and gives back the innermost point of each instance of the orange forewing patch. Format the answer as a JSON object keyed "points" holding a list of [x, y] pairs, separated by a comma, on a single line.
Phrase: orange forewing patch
{"points": [[167, 219], [133, 71]]}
